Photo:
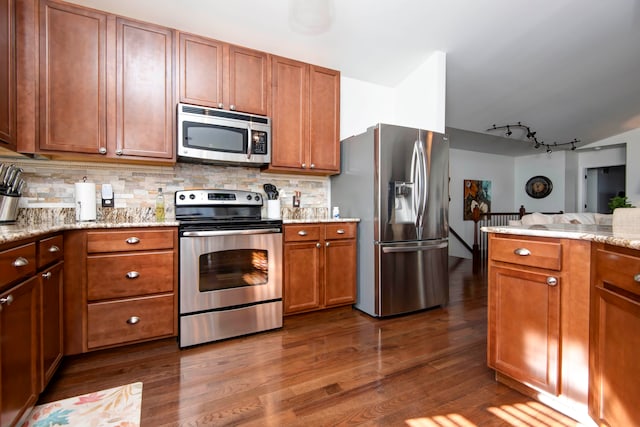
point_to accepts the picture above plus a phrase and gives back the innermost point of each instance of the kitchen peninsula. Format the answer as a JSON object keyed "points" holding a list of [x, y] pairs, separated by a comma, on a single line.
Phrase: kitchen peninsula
{"points": [[564, 317]]}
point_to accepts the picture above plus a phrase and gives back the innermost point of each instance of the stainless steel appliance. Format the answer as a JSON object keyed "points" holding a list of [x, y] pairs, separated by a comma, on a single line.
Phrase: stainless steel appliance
{"points": [[395, 179], [209, 135], [230, 266]]}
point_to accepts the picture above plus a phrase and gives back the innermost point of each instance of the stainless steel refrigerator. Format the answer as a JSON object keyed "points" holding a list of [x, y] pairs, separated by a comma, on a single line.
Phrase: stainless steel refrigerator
{"points": [[396, 180]]}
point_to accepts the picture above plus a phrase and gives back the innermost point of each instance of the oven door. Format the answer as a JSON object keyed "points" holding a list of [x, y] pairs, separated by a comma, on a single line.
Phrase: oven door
{"points": [[222, 269]]}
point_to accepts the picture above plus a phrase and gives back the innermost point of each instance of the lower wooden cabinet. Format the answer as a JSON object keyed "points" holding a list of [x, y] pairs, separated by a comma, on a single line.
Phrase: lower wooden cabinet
{"points": [[614, 381], [319, 266], [538, 317], [122, 287]]}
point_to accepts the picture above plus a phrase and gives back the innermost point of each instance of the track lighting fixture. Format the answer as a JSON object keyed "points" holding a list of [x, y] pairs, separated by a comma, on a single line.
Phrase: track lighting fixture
{"points": [[531, 135]]}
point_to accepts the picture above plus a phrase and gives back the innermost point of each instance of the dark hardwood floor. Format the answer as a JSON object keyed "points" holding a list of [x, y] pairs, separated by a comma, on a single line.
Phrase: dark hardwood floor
{"points": [[337, 367]]}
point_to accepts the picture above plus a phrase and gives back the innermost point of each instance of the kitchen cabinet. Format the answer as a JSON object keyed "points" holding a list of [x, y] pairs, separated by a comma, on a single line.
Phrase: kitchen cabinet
{"points": [[615, 336], [217, 74], [538, 316], [305, 118], [319, 266], [8, 123], [122, 288], [30, 323], [105, 85]]}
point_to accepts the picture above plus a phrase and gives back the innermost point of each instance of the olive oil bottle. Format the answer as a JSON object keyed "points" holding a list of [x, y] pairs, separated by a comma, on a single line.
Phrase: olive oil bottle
{"points": [[160, 206]]}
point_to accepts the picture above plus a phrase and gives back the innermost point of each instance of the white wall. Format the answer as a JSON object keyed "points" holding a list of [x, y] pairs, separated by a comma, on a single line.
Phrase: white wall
{"points": [[553, 167], [418, 101], [479, 166]]}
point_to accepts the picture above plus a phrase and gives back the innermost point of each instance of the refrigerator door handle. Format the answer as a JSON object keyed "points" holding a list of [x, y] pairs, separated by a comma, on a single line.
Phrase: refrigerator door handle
{"points": [[418, 175], [439, 245]]}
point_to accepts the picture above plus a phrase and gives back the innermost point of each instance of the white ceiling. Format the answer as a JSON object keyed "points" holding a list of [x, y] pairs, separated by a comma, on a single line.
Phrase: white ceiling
{"points": [[567, 68]]}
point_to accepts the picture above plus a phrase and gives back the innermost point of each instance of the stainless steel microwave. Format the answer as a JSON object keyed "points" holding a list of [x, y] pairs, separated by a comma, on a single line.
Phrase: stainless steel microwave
{"points": [[209, 135]]}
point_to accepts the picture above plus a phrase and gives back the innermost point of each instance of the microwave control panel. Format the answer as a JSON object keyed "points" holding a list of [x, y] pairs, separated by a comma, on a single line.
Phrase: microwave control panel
{"points": [[258, 142]]}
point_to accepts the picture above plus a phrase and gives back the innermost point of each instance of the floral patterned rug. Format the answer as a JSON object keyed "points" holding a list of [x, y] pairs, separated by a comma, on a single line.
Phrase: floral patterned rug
{"points": [[114, 407]]}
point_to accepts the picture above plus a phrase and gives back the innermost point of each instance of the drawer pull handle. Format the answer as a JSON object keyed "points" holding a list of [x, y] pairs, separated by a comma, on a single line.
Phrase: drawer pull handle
{"points": [[53, 249], [637, 277], [133, 275], [302, 233], [133, 320], [132, 240], [20, 262], [46, 275], [552, 281], [340, 231], [522, 252], [6, 301]]}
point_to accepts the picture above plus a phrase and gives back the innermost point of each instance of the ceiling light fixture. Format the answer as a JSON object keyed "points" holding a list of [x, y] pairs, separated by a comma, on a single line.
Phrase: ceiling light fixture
{"points": [[531, 135], [310, 17]]}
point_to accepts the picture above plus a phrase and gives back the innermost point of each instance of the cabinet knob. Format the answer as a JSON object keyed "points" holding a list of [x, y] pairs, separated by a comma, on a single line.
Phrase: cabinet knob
{"points": [[312, 165], [302, 233], [232, 107], [552, 281], [220, 105], [132, 240], [6, 301], [53, 249], [102, 150], [119, 152], [20, 262], [637, 277], [522, 252], [318, 245], [46, 275], [133, 275], [304, 166], [327, 244], [340, 231], [133, 320]]}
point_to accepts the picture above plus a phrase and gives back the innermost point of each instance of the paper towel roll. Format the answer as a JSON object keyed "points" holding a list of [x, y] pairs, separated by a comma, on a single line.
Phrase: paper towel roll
{"points": [[85, 201]]}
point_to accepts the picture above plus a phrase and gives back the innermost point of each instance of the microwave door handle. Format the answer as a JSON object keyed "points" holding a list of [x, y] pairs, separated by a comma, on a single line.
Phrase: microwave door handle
{"points": [[249, 141]]}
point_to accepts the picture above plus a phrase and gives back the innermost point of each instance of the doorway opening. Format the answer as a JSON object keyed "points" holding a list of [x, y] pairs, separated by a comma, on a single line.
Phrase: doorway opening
{"points": [[603, 183]]}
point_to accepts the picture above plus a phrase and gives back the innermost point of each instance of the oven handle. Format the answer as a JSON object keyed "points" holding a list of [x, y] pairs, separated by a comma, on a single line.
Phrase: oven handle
{"points": [[229, 232]]}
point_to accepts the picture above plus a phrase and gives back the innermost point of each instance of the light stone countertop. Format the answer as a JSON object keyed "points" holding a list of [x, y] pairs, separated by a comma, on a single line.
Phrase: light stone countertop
{"points": [[628, 237], [326, 220]]}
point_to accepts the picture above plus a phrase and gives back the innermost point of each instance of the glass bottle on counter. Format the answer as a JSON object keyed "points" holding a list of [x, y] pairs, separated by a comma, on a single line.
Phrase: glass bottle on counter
{"points": [[160, 206]]}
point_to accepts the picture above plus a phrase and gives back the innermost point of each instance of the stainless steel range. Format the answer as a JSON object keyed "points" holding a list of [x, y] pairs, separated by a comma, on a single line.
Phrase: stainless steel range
{"points": [[230, 266]]}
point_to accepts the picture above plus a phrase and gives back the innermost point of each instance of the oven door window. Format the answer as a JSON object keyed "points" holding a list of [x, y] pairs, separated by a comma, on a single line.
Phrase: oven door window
{"points": [[233, 269], [212, 137]]}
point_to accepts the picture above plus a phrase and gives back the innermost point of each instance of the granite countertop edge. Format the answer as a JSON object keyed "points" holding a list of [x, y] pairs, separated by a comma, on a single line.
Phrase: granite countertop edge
{"points": [[627, 237], [312, 221]]}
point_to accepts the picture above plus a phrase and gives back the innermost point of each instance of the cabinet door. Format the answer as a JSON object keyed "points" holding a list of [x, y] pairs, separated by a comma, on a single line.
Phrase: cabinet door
{"points": [[7, 75], [248, 81], [72, 79], [289, 98], [324, 119], [340, 272], [201, 71], [144, 104], [51, 303], [19, 350], [524, 327], [301, 276]]}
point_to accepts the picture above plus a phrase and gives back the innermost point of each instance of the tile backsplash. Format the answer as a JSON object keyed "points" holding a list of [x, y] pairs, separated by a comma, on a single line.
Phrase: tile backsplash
{"points": [[50, 183]]}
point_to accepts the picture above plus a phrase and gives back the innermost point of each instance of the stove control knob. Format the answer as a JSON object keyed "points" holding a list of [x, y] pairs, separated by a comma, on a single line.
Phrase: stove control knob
{"points": [[181, 197], [257, 197], [192, 196], [249, 197]]}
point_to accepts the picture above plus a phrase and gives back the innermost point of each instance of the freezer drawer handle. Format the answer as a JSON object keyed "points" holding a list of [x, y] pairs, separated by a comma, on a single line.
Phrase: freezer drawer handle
{"points": [[522, 252], [388, 249]]}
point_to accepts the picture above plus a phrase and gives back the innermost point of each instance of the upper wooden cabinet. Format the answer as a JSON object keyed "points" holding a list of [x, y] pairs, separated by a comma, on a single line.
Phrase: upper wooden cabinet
{"points": [[7, 75], [220, 75], [105, 85], [305, 111]]}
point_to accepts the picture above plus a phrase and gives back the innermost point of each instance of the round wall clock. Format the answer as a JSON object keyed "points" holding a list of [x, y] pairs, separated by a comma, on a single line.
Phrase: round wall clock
{"points": [[538, 187]]}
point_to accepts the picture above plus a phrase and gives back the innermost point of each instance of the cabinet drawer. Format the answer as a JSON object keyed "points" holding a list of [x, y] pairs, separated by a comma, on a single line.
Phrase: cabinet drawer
{"points": [[619, 269], [343, 230], [129, 240], [534, 253], [302, 232], [17, 263], [125, 275], [50, 250], [117, 322]]}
